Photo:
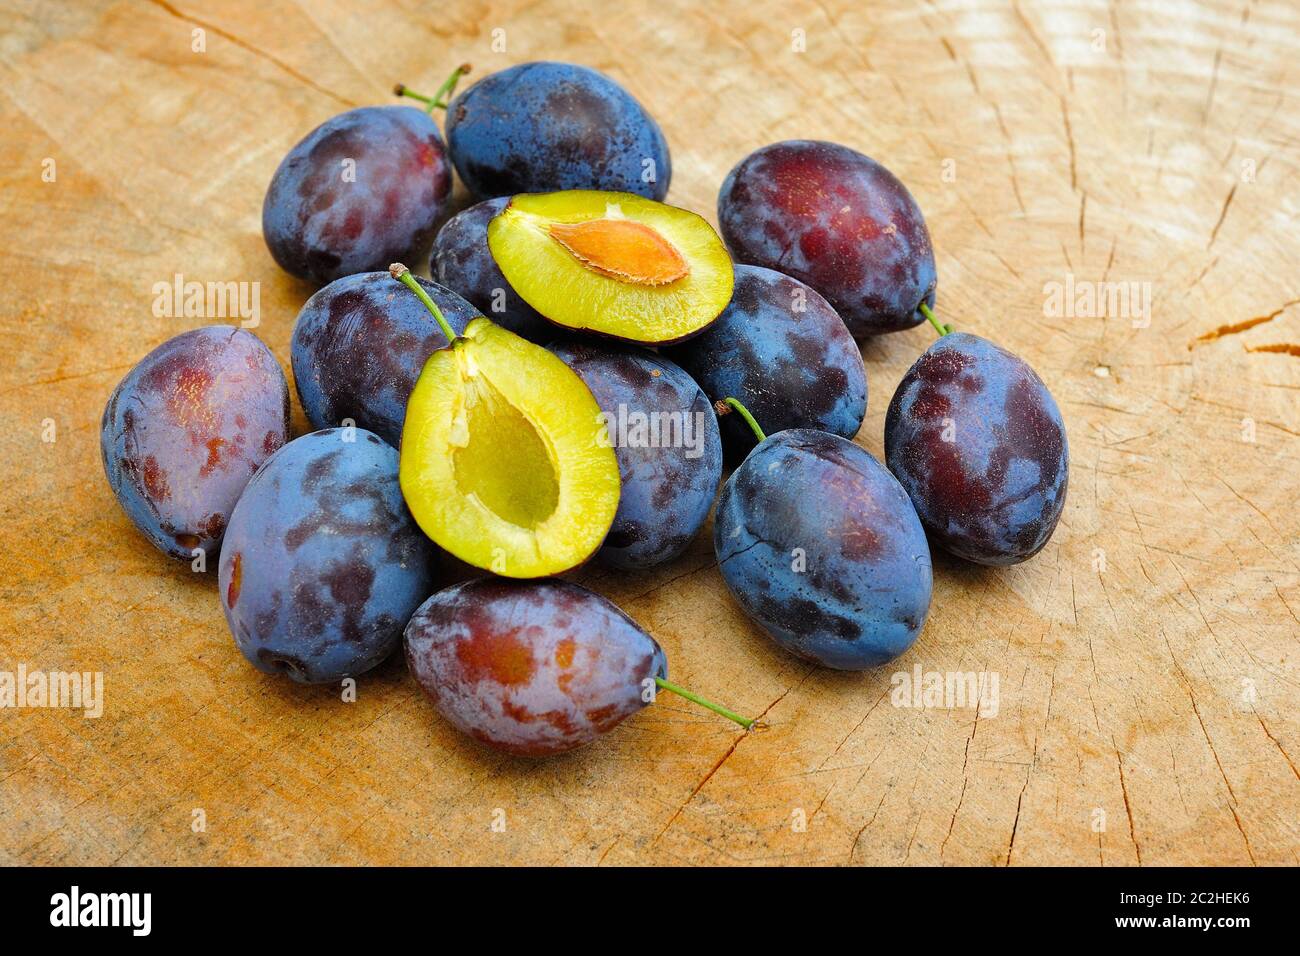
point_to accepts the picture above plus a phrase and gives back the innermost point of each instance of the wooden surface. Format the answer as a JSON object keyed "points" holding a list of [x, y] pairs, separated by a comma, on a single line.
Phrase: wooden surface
{"points": [[1148, 658]]}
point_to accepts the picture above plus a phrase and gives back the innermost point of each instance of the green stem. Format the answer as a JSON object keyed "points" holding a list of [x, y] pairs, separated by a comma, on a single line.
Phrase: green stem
{"points": [[440, 99], [728, 404], [696, 698], [403, 275], [939, 326]]}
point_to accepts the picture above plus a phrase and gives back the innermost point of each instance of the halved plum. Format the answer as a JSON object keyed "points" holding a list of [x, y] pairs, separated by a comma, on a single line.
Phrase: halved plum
{"points": [[505, 458], [616, 264]]}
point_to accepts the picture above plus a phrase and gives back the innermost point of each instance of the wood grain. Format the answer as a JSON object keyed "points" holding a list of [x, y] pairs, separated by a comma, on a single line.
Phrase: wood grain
{"points": [[1147, 658]]}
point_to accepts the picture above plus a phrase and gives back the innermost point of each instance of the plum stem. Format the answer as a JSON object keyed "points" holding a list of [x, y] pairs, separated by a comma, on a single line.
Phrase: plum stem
{"points": [[940, 327], [437, 100], [725, 406], [403, 275], [696, 698]]}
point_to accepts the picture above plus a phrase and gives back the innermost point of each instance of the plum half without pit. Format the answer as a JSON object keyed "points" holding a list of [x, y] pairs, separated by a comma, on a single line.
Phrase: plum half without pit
{"points": [[505, 458]]}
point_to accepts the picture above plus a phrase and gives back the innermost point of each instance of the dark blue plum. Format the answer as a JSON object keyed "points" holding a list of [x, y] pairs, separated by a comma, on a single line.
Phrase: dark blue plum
{"points": [[782, 351], [543, 127], [322, 565], [837, 220], [821, 547], [665, 436], [360, 191], [462, 262], [359, 345], [186, 428], [976, 438]]}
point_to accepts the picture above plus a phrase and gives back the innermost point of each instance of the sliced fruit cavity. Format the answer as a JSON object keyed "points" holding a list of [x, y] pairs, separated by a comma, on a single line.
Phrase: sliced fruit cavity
{"points": [[613, 263], [505, 461]]}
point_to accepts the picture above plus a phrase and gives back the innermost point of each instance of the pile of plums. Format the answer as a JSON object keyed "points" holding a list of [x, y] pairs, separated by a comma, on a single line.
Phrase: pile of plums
{"points": [[572, 384]]}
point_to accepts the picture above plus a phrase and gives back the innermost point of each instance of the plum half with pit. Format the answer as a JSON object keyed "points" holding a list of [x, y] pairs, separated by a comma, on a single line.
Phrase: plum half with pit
{"points": [[186, 428], [978, 442], [837, 220], [822, 548]]}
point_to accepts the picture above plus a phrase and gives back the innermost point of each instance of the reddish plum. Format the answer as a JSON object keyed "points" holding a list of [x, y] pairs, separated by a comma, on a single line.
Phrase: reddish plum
{"points": [[837, 220], [187, 427], [978, 442], [535, 667]]}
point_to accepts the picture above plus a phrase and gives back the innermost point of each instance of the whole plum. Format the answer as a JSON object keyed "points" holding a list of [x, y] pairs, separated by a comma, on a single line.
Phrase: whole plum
{"points": [[462, 262], [322, 564], [821, 547], [782, 351], [977, 440], [665, 436], [359, 345], [186, 428], [543, 127], [531, 667], [360, 191], [837, 220]]}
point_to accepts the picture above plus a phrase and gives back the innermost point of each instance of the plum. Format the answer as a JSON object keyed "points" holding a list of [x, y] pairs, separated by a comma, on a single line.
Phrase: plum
{"points": [[530, 668], [361, 190], [669, 452], [462, 262], [977, 440], [541, 127], [322, 565], [187, 427], [613, 263], [359, 345], [535, 667], [837, 220], [822, 548], [784, 352]]}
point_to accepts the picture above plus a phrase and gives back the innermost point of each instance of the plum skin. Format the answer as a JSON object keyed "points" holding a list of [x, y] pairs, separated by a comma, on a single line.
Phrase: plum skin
{"points": [[322, 564], [790, 369], [462, 262], [320, 226], [358, 347], [186, 428], [838, 221], [530, 667], [546, 126], [863, 593], [666, 493], [994, 492]]}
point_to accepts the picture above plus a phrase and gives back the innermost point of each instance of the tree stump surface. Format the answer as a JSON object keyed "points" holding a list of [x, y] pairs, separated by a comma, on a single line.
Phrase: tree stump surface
{"points": [[1147, 658]]}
